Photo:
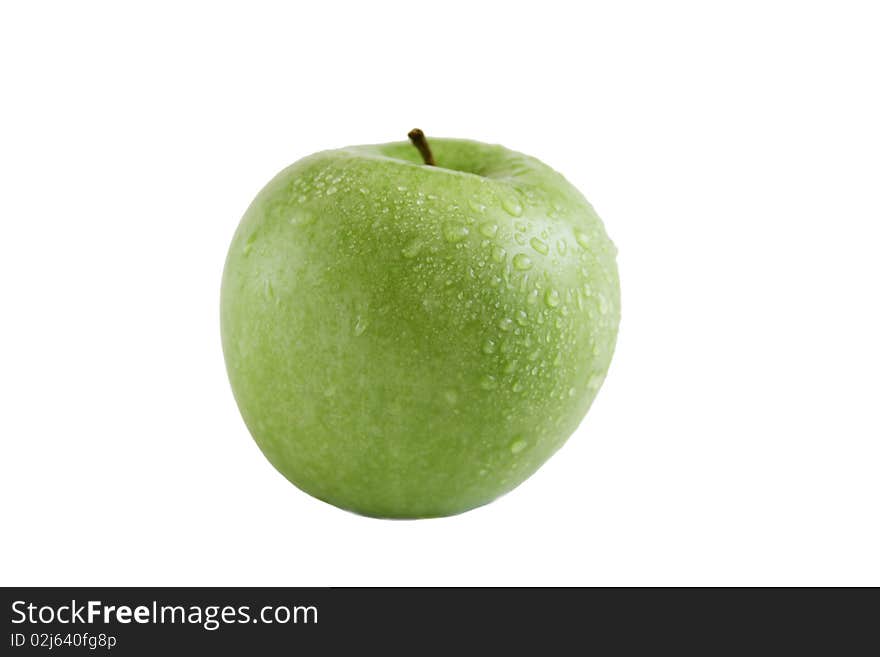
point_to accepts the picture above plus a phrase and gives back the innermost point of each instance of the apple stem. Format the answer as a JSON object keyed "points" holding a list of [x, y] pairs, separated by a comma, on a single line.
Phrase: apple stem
{"points": [[417, 137]]}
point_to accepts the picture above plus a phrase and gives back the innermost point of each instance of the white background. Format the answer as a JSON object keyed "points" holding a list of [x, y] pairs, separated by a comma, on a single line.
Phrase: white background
{"points": [[732, 149]]}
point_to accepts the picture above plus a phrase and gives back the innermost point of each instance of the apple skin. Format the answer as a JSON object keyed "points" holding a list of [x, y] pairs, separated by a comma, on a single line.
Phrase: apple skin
{"points": [[410, 341]]}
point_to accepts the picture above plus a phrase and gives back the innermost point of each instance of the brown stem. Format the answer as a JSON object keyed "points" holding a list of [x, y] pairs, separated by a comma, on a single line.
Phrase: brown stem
{"points": [[417, 137]]}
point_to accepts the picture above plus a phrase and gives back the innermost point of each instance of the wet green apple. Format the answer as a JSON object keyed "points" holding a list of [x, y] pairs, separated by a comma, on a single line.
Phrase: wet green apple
{"points": [[412, 340]]}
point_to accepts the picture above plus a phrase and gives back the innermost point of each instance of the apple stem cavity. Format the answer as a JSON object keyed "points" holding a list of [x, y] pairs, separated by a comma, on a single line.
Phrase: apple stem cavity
{"points": [[417, 137]]}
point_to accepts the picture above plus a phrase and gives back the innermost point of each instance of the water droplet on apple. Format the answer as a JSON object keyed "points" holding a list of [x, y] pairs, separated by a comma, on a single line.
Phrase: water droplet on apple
{"points": [[521, 318], [551, 298], [360, 325], [511, 206], [532, 298], [517, 386], [539, 246], [454, 231], [561, 246], [488, 229], [505, 324], [489, 346], [518, 445], [595, 381], [488, 382], [249, 242], [510, 367], [582, 238], [476, 206], [498, 254], [522, 262], [603, 304], [412, 249], [302, 217], [330, 190]]}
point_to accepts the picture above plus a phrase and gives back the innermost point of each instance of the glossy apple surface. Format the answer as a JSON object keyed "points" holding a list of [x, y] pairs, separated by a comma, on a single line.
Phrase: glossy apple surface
{"points": [[407, 340]]}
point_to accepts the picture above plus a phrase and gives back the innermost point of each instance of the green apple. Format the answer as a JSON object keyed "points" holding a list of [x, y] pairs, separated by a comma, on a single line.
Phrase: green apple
{"points": [[410, 340]]}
